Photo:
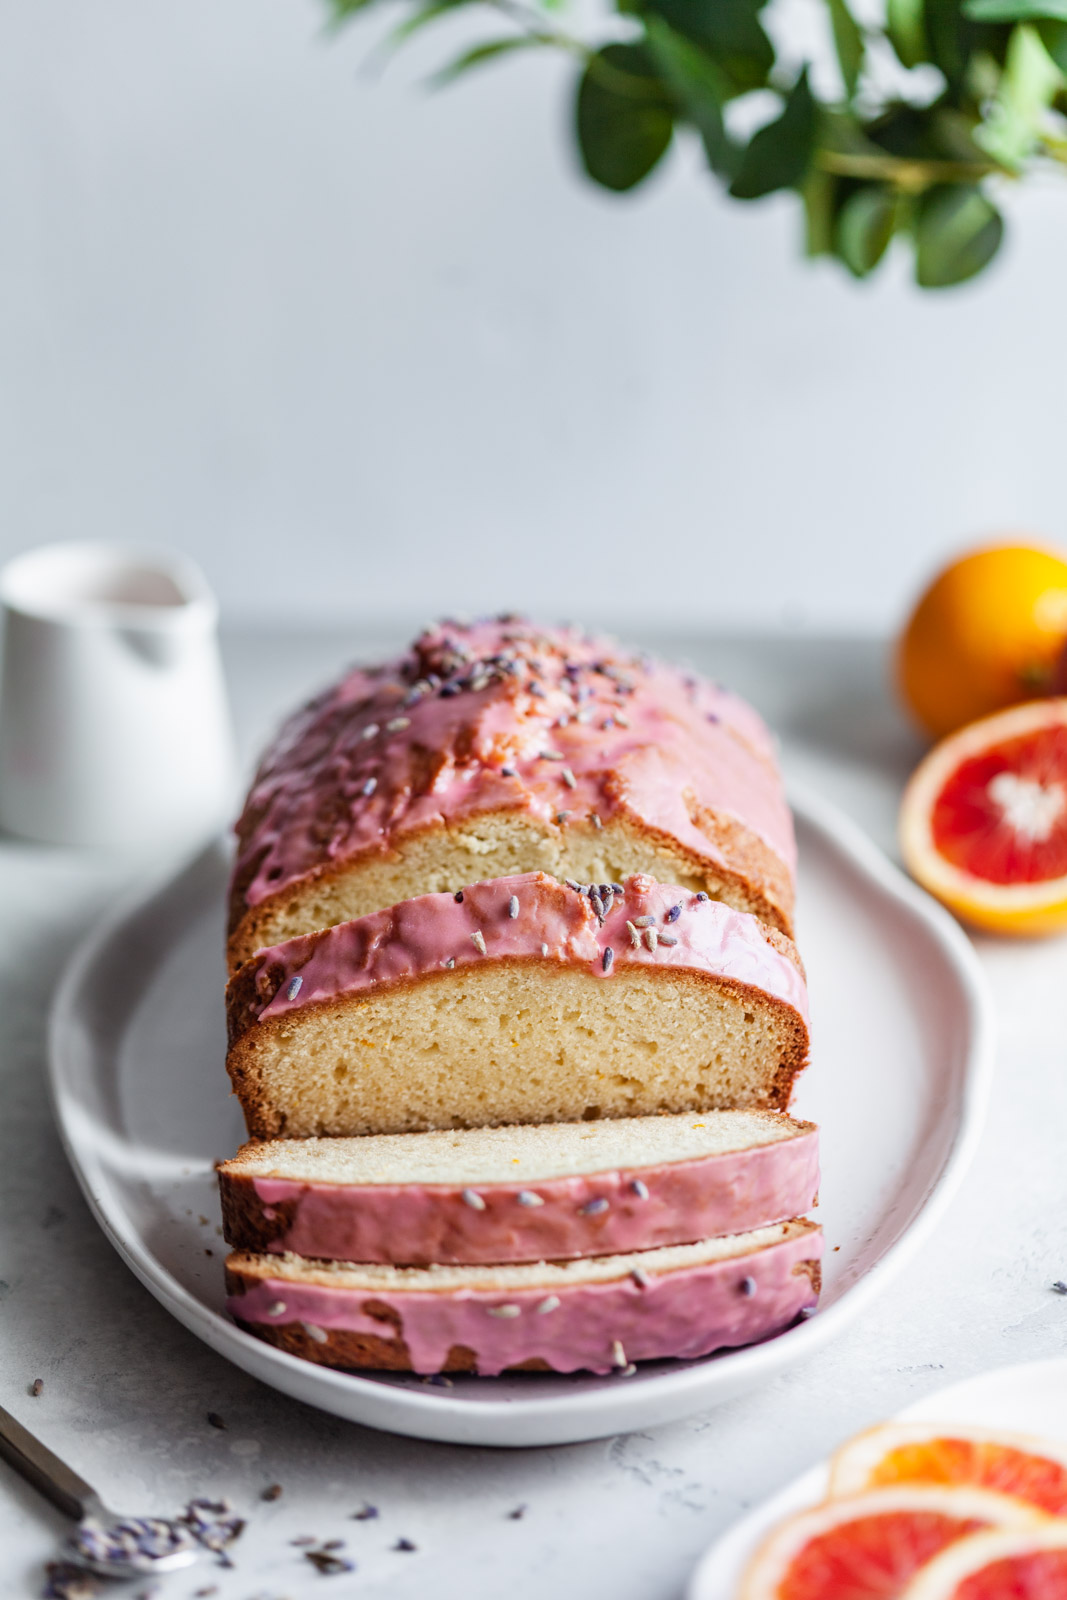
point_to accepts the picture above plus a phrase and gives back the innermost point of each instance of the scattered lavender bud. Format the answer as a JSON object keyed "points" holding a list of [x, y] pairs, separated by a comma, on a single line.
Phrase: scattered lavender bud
{"points": [[215, 1420], [405, 1544], [748, 1287], [65, 1581], [328, 1564], [37, 1387], [366, 1513], [273, 1491]]}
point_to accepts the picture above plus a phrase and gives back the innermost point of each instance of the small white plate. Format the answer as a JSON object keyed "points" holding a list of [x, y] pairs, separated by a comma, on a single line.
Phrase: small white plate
{"points": [[1031, 1398], [903, 1047]]}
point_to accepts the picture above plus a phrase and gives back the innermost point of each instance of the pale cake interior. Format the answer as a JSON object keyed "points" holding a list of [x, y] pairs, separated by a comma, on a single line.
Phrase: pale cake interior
{"points": [[496, 845], [511, 1042], [372, 1277], [515, 1153]]}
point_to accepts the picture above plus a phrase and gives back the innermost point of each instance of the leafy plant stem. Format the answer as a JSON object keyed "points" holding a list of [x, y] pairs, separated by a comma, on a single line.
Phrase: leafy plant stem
{"points": [[911, 176]]}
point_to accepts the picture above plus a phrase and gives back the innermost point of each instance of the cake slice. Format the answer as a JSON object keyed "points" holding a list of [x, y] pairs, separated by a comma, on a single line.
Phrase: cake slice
{"points": [[518, 1000], [542, 1193], [502, 748], [593, 1315]]}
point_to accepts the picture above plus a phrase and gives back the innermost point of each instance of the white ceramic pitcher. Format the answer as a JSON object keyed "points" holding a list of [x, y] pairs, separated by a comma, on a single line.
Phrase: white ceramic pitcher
{"points": [[114, 729]]}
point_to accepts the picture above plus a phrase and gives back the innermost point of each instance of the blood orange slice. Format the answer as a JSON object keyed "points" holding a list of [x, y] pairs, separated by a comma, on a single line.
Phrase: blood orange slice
{"points": [[983, 822], [867, 1546], [1033, 1470], [1002, 1564]]}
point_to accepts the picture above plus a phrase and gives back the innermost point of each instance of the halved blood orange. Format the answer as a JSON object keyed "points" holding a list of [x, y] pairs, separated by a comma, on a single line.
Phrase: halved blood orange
{"points": [[867, 1546], [1034, 1470], [983, 822], [1001, 1564]]}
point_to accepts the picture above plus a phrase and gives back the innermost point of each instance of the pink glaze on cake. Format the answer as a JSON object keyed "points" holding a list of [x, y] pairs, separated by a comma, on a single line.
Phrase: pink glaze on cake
{"points": [[415, 1224], [683, 1313], [505, 716], [551, 922]]}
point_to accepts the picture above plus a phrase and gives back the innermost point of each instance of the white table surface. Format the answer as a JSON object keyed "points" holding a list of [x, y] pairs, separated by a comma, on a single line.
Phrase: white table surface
{"points": [[127, 1391]]}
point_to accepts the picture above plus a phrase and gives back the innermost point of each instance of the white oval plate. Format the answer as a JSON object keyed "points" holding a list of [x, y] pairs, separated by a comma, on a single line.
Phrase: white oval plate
{"points": [[903, 1047], [1030, 1398]]}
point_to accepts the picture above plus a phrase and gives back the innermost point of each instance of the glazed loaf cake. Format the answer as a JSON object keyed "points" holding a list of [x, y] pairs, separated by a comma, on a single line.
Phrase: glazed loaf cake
{"points": [[503, 748], [596, 1314], [542, 1193], [518, 1000]]}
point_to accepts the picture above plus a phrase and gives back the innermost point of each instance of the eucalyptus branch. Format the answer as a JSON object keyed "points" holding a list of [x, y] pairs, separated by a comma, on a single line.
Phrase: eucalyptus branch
{"points": [[911, 176], [867, 166]]}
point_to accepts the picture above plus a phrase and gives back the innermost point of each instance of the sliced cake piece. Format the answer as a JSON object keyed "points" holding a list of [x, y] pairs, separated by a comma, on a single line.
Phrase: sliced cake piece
{"points": [[500, 748], [518, 1000], [594, 1314], [540, 1193]]}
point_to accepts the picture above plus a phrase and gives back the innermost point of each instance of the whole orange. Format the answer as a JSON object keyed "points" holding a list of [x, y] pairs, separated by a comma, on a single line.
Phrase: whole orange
{"points": [[986, 634]]}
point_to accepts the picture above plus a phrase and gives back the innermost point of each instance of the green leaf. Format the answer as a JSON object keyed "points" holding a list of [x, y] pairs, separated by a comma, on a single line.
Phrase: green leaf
{"points": [[490, 51], [849, 44], [779, 155], [699, 89], [420, 18], [907, 30], [729, 30], [1014, 10], [341, 10], [958, 232], [865, 226], [624, 119], [951, 39], [820, 201], [1054, 38], [1028, 85]]}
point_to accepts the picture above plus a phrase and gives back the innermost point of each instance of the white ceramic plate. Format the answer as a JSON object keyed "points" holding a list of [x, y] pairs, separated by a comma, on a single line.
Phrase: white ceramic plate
{"points": [[1031, 1398], [898, 1083]]}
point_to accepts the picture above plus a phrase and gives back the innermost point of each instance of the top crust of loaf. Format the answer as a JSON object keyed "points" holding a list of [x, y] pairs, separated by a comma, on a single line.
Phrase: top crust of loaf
{"points": [[527, 1154], [657, 927], [549, 728]]}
